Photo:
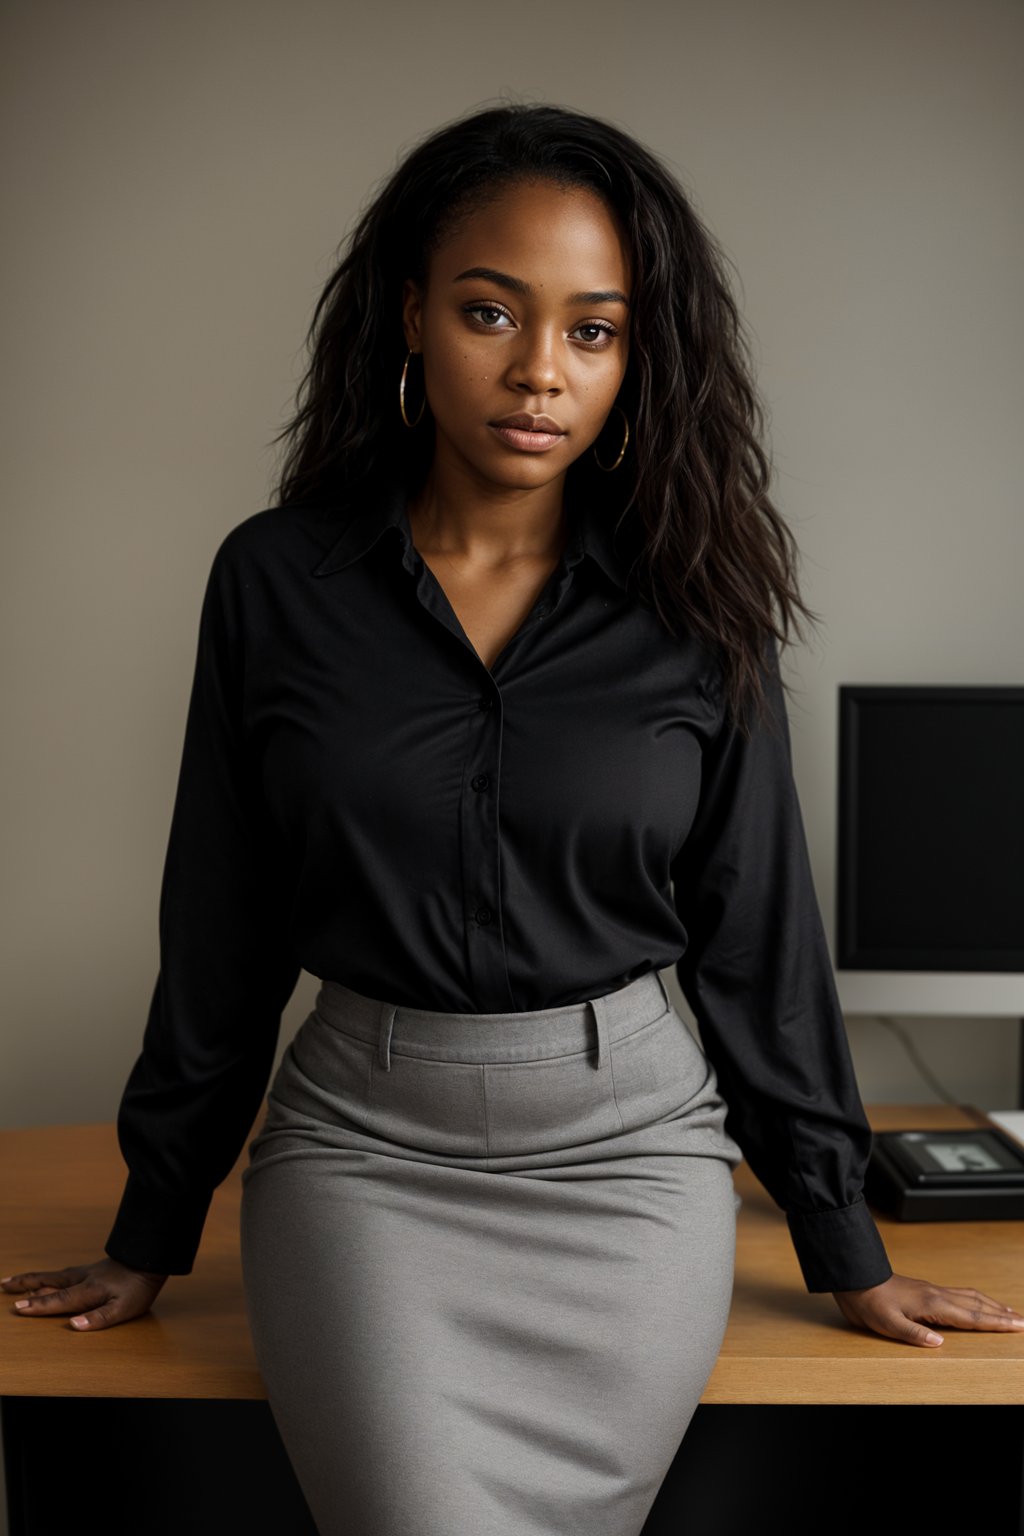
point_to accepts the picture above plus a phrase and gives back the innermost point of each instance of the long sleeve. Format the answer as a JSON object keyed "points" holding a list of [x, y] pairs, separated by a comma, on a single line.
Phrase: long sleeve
{"points": [[226, 968], [757, 974]]}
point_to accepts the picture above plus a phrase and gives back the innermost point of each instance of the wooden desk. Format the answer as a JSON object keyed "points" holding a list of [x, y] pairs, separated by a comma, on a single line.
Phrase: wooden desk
{"points": [[786, 1346], [59, 1187]]}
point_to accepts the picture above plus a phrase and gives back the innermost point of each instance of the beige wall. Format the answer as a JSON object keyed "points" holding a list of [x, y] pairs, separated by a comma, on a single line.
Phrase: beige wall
{"points": [[175, 183]]}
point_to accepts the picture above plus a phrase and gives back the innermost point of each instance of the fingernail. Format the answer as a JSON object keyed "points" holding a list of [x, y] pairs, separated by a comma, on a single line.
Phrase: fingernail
{"points": [[1017, 1322], [79, 1322], [4, 1279], [22, 1303], [933, 1338]]}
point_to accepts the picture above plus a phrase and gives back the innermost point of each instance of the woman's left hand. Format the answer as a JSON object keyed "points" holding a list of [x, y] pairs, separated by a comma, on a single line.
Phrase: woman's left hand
{"points": [[900, 1307]]}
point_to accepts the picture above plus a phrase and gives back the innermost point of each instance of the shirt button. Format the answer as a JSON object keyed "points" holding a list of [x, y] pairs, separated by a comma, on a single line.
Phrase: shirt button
{"points": [[485, 702], [483, 914], [481, 781]]}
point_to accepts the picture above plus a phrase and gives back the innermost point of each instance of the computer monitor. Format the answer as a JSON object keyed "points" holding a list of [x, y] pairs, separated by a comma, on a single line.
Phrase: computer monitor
{"points": [[930, 857]]}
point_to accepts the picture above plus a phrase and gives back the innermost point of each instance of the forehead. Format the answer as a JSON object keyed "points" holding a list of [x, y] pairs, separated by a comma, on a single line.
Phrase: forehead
{"points": [[542, 232]]}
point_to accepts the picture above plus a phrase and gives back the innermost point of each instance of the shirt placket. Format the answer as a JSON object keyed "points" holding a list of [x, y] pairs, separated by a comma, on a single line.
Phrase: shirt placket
{"points": [[480, 843], [479, 808]]}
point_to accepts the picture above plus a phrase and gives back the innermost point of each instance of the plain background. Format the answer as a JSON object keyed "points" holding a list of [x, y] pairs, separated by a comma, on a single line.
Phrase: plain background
{"points": [[176, 182]]}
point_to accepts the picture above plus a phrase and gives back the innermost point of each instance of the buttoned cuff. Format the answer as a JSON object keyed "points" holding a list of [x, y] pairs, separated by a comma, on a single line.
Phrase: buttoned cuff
{"points": [[839, 1250], [156, 1231]]}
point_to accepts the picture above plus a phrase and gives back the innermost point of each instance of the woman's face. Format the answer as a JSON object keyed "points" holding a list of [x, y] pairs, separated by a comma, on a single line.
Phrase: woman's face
{"points": [[525, 311]]}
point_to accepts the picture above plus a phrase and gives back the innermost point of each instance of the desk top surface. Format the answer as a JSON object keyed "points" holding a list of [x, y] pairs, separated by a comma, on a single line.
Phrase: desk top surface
{"points": [[59, 1186]]}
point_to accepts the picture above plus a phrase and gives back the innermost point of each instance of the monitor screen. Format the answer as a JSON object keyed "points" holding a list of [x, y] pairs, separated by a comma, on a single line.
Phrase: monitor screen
{"points": [[930, 858]]}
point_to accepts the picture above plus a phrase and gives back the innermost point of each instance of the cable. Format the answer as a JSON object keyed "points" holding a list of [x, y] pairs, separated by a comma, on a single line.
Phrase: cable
{"points": [[911, 1049]]}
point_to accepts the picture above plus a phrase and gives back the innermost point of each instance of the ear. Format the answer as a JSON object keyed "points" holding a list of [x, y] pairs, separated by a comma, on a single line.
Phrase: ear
{"points": [[412, 311]]}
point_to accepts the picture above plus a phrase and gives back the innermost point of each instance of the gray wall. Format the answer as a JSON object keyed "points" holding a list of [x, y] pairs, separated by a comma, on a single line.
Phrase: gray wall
{"points": [[176, 180]]}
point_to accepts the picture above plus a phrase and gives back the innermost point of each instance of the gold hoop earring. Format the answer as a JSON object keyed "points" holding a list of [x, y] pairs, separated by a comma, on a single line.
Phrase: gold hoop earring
{"points": [[609, 467], [401, 397]]}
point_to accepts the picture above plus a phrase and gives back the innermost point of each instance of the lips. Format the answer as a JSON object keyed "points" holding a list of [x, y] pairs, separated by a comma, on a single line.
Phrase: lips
{"points": [[528, 434], [524, 422]]}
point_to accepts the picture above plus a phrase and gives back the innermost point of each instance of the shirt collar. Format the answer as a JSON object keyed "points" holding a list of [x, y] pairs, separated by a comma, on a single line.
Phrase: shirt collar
{"points": [[588, 534]]}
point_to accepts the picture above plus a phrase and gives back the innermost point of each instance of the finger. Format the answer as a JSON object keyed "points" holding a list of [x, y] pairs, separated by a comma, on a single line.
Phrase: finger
{"points": [[63, 1299], [924, 1336], [974, 1302], [976, 1315], [898, 1326], [965, 1290], [39, 1279], [33, 1278], [939, 1296], [99, 1317]]}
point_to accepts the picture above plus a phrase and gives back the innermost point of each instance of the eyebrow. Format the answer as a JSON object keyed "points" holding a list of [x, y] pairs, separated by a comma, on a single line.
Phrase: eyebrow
{"points": [[516, 285]]}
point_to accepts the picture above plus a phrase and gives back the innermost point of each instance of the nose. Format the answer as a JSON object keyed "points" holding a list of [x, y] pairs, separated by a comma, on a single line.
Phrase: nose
{"points": [[534, 367]]}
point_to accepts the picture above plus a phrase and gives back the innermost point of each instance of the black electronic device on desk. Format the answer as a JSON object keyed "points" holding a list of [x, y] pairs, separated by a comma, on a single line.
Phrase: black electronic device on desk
{"points": [[962, 1175]]}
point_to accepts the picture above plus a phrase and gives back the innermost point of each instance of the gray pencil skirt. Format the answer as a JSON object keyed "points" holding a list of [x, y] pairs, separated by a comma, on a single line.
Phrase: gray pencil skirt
{"points": [[488, 1261]]}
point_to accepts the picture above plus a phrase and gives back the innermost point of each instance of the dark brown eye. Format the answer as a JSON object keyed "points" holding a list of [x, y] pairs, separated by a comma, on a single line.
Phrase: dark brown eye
{"points": [[598, 326], [487, 310]]}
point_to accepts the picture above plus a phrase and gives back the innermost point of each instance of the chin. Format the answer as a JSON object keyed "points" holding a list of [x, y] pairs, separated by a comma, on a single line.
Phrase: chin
{"points": [[519, 473], [530, 478]]}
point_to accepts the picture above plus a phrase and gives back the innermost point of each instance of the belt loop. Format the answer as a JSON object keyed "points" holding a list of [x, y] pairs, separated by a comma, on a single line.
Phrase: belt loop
{"points": [[664, 990], [387, 1019], [598, 1007]]}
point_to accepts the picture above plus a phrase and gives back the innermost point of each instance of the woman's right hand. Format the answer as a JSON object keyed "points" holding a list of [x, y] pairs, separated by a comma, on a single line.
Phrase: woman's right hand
{"points": [[101, 1295]]}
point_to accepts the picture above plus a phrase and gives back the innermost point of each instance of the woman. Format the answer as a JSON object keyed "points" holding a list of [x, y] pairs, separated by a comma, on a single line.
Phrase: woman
{"points": [[487, 729]]}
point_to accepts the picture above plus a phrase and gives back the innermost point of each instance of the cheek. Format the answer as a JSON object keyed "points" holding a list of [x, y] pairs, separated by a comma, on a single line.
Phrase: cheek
{"points": [[599, 390], [456, 373], [599, 377]]}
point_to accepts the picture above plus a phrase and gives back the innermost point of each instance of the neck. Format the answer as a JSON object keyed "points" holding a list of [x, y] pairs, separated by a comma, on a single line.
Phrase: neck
{"points": [[478, 523]]}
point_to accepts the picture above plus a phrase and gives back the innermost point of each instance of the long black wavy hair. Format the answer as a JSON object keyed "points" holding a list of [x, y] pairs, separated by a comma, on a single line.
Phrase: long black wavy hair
{"points": [[711, 552]]}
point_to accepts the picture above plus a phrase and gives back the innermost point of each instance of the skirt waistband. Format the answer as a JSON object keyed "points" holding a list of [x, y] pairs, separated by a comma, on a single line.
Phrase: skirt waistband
{"points": [[534, 1035]]}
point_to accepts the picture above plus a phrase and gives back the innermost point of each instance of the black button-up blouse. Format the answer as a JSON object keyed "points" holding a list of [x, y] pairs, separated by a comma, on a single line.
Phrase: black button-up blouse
{"points": [[359, 796]]}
